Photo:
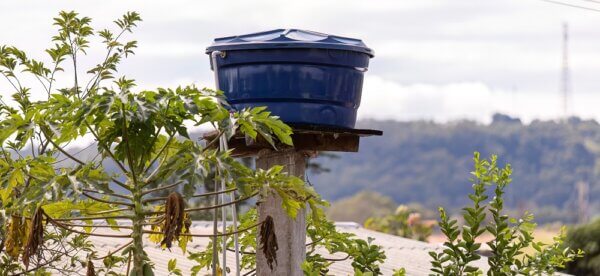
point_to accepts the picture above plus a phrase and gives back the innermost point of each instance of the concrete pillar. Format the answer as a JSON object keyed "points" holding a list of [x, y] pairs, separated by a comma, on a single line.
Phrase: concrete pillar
{"points": [[291, 233]]}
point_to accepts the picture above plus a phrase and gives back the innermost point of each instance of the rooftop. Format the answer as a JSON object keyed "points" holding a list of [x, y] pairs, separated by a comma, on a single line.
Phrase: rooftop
{"points": [[401, 252]]}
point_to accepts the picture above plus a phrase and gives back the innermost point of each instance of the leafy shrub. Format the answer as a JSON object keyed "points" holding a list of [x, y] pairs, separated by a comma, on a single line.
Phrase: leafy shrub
{"points": [[510, 236], [586, 238]]}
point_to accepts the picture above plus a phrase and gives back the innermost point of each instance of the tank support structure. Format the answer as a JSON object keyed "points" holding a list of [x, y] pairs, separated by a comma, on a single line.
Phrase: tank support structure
{"points": [[308, 140]]}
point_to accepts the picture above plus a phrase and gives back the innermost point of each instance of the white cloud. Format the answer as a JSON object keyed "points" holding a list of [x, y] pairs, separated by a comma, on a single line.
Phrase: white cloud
{"points": [[439, 59], [384, 99]]}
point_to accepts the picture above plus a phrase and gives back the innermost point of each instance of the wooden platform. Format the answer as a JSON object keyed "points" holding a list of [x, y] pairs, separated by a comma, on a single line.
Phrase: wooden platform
{"points": [[305, 138]]}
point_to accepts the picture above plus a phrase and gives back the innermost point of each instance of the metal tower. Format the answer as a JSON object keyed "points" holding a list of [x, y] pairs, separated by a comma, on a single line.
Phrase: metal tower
{"points": [[583, 201], [565, 85]]}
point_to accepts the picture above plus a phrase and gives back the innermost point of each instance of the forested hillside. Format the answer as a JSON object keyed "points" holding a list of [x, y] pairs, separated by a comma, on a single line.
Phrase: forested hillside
{"points": [[429, 163]]}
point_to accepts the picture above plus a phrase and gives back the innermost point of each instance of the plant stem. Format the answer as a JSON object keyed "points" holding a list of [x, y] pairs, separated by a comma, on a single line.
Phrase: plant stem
{"points": [[162, 188], [138, 243], [139, 256]]}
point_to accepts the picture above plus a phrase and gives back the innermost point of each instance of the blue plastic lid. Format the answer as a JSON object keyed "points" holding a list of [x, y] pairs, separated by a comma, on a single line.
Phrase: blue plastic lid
{"points": [[288, 38]]}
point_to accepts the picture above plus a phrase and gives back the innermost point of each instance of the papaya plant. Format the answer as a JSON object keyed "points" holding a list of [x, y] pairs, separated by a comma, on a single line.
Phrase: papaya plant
{"points": [[145, 168]]}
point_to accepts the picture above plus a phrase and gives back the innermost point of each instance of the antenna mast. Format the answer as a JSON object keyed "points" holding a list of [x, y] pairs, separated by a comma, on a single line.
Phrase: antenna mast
{"points": [[565, 86], [583, 201]]}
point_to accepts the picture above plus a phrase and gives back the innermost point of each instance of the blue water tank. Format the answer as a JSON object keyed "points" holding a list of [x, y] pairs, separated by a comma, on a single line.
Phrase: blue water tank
{"points": [[303, 77]]}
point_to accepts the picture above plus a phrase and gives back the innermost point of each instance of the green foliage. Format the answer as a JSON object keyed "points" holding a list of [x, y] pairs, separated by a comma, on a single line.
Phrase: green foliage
{"points": [[172, 267], [404, 222], [258, 121], [310, 268], [399, 272], [510, 236], [366, 256], [144, 134], [550, 258], [586, 238], [292, 190]]}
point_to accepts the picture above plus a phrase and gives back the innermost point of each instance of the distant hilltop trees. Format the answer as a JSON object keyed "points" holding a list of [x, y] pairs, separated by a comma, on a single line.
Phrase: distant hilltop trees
{"points": [[426, 162]]}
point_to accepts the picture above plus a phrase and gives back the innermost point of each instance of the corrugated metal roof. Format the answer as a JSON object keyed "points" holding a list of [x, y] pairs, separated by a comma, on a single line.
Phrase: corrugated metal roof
{"points": [[401, 252]]}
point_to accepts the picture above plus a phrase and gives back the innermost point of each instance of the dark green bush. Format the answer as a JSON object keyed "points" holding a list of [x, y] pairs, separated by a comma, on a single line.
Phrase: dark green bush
{"points": [[587, 238]]}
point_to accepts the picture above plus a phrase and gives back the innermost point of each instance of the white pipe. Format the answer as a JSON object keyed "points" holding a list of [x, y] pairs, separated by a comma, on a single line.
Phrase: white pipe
{"points": [[214, 56], [223, 212], [234, 217], [224, 147]]}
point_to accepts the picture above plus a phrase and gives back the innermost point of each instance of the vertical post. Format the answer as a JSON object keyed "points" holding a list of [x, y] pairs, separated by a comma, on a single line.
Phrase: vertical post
{"points": [[291, 233]]}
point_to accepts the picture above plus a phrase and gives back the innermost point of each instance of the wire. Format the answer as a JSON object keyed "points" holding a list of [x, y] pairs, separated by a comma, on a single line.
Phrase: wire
{"points": [[573, 6], [593, 1]]}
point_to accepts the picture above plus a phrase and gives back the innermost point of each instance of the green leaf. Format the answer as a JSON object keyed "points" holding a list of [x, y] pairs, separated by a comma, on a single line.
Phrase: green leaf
{"points": [[172, 264]]}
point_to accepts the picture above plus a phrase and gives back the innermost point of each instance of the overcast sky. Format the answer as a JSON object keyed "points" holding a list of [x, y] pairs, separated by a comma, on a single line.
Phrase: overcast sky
{"points": [[434, 60]]}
